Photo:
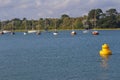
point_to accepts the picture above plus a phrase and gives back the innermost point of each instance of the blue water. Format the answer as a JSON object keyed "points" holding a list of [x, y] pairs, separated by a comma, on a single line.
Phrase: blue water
{"points": [[62, 57]]}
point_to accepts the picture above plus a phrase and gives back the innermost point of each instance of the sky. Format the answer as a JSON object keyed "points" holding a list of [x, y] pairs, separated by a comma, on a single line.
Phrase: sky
{"points": [[36, 9]]}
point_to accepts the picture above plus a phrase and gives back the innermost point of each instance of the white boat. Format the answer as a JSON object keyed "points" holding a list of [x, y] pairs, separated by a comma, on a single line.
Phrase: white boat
{"points": [[25, 33], [6, 31], [1, 32], [86, 31], [55, 33], [73, 33], [95, 32], [32, 31], [38, 32], [12, 33]]}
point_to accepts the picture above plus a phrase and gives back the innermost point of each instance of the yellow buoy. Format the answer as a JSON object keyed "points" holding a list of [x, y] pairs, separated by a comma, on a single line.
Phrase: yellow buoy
{"points": [[105, 50]]}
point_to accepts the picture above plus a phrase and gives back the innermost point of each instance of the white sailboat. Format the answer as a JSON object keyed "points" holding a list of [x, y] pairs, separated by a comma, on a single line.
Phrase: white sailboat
{"points": [[25, 33], [1, 30], [33, 30], [86, 31], [55, 32], [95, 32], [6, 31], [12, 29], [73, 31], [38, 30]]}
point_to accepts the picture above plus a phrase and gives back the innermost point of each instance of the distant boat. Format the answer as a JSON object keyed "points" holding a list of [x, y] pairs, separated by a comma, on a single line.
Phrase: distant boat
{"points": [[32, 31], [95, 32], [73, 33], [12, 32], [1, 29], [1, 33], [86, 30], [6, 31], [25, 33], [38, 29], [55, 31], [38, 33]]}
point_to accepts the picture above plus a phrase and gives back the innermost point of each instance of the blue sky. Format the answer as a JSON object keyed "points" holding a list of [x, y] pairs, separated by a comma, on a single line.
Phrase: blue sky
{"points": [[35, 9]]}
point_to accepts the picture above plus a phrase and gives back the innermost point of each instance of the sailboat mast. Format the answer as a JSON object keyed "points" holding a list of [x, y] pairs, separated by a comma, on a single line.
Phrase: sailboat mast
{"points": [[95, 19], [55, 24]]}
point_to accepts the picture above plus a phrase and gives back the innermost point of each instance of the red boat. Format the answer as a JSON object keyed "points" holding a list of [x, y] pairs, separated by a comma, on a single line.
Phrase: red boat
{"points": [[95, 33]]}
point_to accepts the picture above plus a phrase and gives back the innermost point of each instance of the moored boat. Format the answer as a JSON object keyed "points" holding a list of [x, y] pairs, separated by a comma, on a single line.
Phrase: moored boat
{"points": [[32, 31], [1, 32], [73, 33], [95, 32], [55, 33]]}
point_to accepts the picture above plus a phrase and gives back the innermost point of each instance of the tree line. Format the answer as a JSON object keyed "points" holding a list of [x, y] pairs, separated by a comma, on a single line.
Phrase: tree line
{"points": [[96, 18]]}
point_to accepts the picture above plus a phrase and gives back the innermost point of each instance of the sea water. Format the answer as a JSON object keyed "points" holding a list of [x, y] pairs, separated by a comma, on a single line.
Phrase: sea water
{"points": [[61, 57]]}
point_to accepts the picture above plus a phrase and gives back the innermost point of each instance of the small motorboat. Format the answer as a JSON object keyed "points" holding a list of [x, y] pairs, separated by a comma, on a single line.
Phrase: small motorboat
{"points": [[32, 31], [86, 31], [25, 33], [73, 33], [1, 33], [55, 33], [38, 33], [12, 33], [95, 33], [6, 31]]}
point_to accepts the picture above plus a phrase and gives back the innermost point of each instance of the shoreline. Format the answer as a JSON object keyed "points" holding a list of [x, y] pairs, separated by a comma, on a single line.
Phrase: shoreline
{"points": [[67, 29]]}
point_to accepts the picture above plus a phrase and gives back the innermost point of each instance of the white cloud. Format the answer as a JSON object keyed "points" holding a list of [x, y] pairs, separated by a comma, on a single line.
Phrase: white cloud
{"points": [[22, 6], [38, 3], [4, 2], [53, 8]]}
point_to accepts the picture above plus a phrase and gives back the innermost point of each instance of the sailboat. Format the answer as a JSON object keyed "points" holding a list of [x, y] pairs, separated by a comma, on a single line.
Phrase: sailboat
{"points": [[73, 32], [38, 31], [86, 26], [55, 31], [86, 31], [33, 30], [1, 31], [95, 32], [4, 31], [12, 29], [25, 28]]}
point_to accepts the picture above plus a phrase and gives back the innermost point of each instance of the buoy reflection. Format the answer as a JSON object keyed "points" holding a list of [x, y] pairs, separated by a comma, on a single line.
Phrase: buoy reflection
{"points": [[104, 61]]}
